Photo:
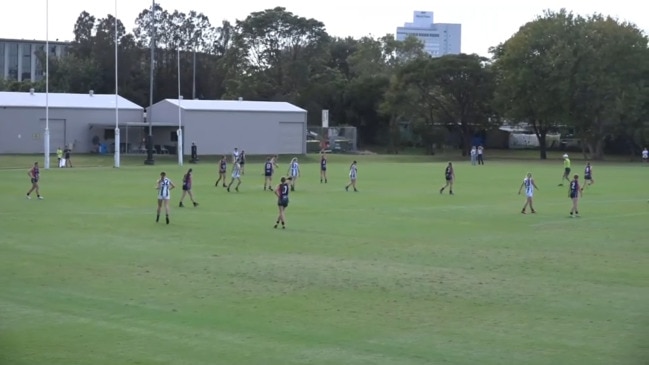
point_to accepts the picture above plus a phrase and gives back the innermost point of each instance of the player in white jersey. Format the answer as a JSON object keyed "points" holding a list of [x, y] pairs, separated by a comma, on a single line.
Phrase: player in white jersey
{"points": [[529, 185], [235, 155], [353, 174], [645, 155], [164, 186], [293, 172], [236, 175]]}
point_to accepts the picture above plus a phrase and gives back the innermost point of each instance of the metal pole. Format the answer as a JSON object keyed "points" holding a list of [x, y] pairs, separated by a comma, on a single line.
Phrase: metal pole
{"points": [[117, 136], [46, 135], [179, 151], [194, 75], [149, 113]]}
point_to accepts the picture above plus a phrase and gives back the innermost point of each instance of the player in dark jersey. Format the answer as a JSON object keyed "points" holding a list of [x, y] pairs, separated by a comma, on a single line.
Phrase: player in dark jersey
{"points": [[223, 169], [34, 175], [242, 161], [323, 167], [588, 175], [282, 201], [574, 192], [187, 189], [449, 175], [269, 168]]}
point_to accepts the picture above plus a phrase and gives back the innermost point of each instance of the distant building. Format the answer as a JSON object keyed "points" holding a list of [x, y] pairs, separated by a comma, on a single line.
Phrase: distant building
{"points": [[439, 38], [19, 61]]}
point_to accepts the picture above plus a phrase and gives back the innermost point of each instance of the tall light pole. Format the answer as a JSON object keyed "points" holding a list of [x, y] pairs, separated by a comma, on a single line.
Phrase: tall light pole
{"points": [[194, 72], [117, 137], [46, 135], [179, 151], [149, 113]]}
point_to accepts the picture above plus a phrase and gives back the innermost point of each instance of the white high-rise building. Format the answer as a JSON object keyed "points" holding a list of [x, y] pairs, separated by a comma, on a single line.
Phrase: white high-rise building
{"points": [[439, 38]]}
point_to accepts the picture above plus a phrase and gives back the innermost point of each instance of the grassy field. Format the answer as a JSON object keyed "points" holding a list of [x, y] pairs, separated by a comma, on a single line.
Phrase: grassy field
{"points": [[394, 274]]}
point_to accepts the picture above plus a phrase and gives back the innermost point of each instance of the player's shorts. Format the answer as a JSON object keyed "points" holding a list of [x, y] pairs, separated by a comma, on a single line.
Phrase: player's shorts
{"points": [[235, 175], [293, 177], [323, 169], [574, 195], [242, 163], [222, 171], [268, 174], [34, 181], [187, 187], [449, 178], [566, 171], [282, 202], [529, 194], [588, 177], [160, 197]]}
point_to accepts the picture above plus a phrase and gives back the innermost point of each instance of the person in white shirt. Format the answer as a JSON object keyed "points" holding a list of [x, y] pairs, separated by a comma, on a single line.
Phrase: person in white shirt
{"points": [[236, 175], [235, 156], [529, 185], [293, 172], [480, 155], [474, 155], [645, 155], [164, 187]]}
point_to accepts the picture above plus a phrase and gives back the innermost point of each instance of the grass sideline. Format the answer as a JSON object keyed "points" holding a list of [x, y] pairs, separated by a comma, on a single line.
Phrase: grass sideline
{"points": [[394, 274]]}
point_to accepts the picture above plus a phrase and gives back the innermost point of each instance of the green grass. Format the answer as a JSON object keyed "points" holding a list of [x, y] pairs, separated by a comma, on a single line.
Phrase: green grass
{"points": [[394, 274]]}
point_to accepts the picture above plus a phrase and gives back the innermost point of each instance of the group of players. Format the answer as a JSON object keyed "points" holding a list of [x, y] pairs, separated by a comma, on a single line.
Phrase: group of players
{"points": [[575, 190], [287, 183]]}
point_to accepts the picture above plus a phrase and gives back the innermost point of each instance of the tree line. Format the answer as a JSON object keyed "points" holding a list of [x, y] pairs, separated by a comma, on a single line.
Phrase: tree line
{"points": [[587, 76]]}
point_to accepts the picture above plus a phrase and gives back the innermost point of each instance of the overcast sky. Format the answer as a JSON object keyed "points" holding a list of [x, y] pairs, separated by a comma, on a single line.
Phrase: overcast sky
{"points": [[484, 23]]}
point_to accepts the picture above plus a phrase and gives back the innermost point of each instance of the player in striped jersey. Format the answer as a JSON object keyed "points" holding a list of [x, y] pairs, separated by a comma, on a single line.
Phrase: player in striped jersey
{"points": [[353, 174], [293, 172], [236, 175], [588, 175], [187, 189], [164, 187], [529, 185], [34, 175]]}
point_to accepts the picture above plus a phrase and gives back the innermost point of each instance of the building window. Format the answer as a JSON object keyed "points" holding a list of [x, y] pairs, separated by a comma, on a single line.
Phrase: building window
{"points": [[2, 60], [174, 136], [26, 62], [13, 62]]}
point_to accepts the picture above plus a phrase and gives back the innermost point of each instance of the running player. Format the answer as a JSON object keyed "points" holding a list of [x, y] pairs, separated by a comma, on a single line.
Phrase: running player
{"points": [[164, 187], [588, 175], [353, 174], [236, 175], [449, 175], [282, 201], [34, 175], [566, 169], [187, 189], [323, 167], [293, 172], [223, 168], [575, 193], [529, 185], [269, 168], [235, 155], [242, 161]]}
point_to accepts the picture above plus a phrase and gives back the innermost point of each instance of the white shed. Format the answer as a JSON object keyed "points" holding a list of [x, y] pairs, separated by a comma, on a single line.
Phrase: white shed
{"points": [[218, 126], [71, 120]]}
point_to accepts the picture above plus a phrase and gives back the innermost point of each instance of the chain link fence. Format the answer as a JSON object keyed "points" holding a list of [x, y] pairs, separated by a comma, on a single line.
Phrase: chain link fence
{"points": [[332, 139]]}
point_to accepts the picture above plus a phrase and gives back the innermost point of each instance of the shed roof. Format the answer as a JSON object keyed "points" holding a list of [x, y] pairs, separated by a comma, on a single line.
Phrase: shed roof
{"points": [[61, 100], [237, 105]]}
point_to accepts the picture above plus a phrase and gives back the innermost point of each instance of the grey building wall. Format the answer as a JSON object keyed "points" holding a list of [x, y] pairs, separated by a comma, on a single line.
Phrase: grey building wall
{"points": [[218, 132], [21, 129]]}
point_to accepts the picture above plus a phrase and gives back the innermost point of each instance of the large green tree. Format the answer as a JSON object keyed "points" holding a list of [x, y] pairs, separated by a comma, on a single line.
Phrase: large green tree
{"points": [[533, 72], [608, 81]]}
